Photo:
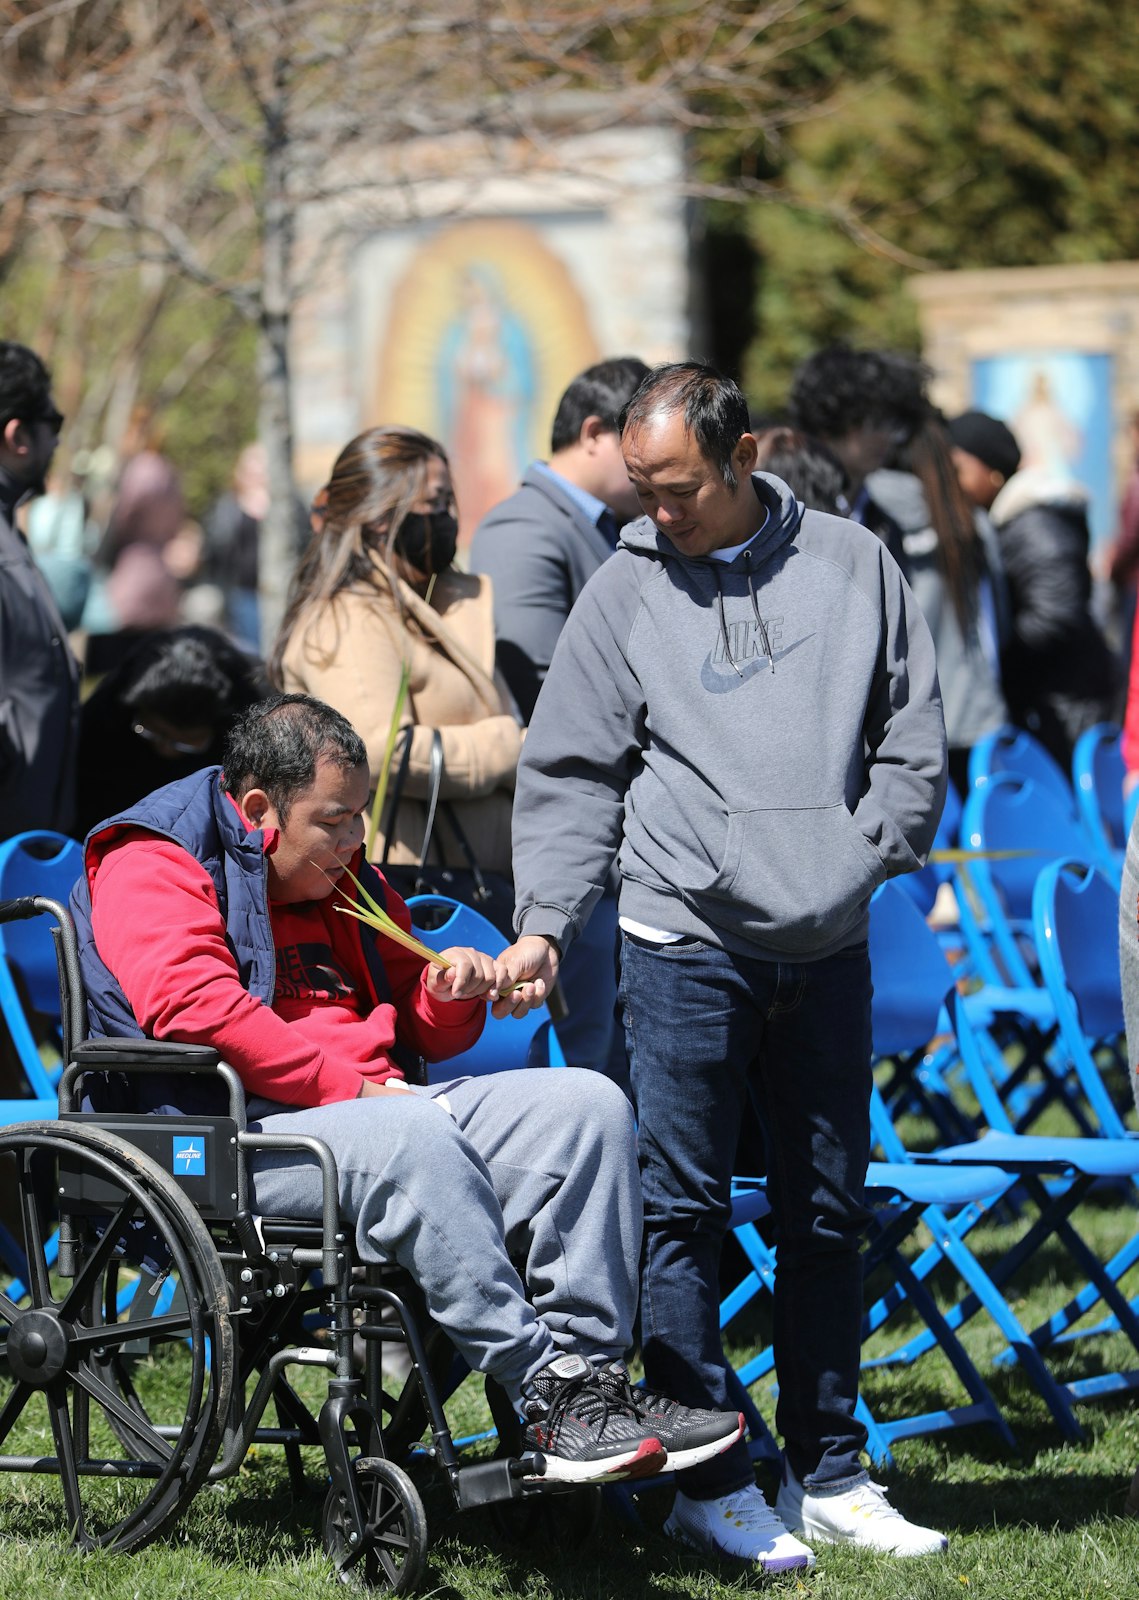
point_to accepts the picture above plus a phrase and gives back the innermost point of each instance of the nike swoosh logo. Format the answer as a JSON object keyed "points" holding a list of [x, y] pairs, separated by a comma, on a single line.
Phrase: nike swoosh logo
{"points": [[723, 679]]}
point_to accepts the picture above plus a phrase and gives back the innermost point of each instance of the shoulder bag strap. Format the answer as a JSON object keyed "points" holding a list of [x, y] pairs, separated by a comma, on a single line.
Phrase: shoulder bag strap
{"points": [[434, 783], [480, 891]]}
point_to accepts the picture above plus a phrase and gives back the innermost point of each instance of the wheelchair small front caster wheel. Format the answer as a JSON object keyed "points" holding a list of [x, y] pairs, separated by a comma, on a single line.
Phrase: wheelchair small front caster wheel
{"points": [[392, 1553]]}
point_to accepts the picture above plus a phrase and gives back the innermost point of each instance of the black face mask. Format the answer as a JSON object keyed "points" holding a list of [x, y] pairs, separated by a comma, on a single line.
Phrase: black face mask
{"points": [[427, 540]]}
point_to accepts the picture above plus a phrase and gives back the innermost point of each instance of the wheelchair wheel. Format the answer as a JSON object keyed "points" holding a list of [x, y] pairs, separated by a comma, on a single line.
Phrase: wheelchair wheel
{"points": [[120, 1357], [393, 1552]]}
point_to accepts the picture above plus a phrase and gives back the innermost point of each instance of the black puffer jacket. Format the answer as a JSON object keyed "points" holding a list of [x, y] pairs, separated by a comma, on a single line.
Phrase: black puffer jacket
{"points": [[1059, 675]]}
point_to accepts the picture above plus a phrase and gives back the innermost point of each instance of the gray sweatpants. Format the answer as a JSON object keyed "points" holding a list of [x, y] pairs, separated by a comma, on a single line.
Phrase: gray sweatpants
{"points": [[538, 1167]]}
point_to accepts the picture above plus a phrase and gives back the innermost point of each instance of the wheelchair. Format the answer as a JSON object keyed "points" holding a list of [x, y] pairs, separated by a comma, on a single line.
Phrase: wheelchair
{"points": [[155, 1320]]}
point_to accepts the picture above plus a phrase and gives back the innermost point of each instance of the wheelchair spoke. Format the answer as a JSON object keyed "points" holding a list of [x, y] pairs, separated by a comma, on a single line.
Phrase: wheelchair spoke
{"points": [[136, 1424], [382, 1553], [382, 1526], [354, 1556], [97, 1260], [113, 1334], [65, 1452], [39, 1284], [383, 1537], [135, 1402], [15, 1403]]}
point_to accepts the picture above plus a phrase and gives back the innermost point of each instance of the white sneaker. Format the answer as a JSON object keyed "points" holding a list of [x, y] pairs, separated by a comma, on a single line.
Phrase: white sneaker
{"points": [[742, 1525], [860, 1515]]}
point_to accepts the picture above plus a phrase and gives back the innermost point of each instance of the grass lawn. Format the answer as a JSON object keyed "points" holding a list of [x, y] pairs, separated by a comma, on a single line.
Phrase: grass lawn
{"points": [[1045, 1524]]}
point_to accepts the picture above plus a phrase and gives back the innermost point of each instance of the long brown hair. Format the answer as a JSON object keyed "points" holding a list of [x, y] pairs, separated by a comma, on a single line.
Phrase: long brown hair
{"points": [[377, 478], [960, 553]]}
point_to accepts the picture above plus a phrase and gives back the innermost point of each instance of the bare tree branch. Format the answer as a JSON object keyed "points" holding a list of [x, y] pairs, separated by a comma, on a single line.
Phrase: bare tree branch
{"points": [[197, 133]]}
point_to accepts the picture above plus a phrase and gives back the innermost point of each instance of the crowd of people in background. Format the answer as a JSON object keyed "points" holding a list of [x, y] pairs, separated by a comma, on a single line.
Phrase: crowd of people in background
{"points": [[999, 559], [384, 607], [472, 674]]}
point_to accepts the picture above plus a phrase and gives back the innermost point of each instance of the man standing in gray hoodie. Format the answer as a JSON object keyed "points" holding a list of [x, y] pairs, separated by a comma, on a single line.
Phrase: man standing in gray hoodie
{"points": [[743, 709]]}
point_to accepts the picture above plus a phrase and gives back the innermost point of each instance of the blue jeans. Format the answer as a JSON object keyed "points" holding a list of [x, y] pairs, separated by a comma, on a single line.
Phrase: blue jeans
{"points": [[590, 1036], [704, 1028]]}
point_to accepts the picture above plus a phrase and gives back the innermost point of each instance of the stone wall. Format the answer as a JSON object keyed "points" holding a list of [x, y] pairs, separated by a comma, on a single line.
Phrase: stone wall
{"points": [[1054, 351], [468, 318]]}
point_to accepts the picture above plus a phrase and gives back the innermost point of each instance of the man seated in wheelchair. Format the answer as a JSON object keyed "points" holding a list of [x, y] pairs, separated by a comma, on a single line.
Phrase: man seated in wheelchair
{"points": [[209, 913]]}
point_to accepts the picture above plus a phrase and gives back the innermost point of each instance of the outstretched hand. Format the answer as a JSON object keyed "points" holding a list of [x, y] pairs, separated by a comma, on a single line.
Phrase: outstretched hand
{"points": [[525, 973], [471, 973], [515, 983]]}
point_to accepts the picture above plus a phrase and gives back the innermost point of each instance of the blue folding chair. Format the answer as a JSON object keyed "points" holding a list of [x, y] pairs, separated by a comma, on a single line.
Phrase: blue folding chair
{"points": [[34, 901], [44, 865], [1097, 778], [1014, 751], [1014, 815], [1015, 829], [1057, 1174], [922, 886], [1053, 1174], [1074, 915], [913, 1047], [901, 1198], [505, 1042]]}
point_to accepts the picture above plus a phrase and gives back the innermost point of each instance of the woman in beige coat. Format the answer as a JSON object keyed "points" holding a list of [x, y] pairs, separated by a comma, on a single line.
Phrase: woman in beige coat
{"points": [[375, 590]]}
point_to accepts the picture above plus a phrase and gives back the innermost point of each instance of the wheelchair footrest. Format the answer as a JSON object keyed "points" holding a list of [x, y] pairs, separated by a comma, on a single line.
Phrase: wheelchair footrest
{"points": [[484, 1482]]}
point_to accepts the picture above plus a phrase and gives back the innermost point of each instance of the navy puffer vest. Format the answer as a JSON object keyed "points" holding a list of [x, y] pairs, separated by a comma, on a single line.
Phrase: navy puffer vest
{"points": [[196, 813]]}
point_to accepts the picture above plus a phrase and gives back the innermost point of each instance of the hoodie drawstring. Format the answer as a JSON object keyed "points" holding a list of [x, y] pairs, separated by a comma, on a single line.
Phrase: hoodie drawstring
{"points": [[755, 608], [724, 622], [724, 635]]}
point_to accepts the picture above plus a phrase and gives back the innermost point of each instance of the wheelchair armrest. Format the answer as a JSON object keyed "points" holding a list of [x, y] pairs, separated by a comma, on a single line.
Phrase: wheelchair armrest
{"points": [[146, 1055], [163, 1056]]}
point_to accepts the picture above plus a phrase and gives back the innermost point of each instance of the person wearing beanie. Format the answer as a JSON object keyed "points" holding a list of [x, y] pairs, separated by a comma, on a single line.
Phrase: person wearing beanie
{"points": [[986, 454], [1058, 673]]}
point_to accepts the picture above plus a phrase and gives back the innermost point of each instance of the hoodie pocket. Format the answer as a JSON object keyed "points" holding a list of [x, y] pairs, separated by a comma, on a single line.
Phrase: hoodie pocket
{"points": [[794, 877]]}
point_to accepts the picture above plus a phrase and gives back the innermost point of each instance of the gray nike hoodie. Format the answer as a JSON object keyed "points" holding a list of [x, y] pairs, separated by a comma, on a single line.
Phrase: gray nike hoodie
{"points": [[760, 743]]}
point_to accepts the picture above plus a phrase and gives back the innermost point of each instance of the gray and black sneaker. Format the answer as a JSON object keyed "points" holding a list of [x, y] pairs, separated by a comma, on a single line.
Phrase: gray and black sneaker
{"points": [[688, 1434], [583, 1432]]}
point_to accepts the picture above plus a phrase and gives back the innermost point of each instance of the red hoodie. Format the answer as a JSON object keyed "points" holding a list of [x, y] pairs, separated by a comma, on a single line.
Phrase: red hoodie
{"points": [[159, 929]]}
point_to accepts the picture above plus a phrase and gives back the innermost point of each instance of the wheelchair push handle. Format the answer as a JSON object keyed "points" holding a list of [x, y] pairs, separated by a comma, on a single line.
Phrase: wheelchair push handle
{"points": [[23, 907], [72, 1005]]}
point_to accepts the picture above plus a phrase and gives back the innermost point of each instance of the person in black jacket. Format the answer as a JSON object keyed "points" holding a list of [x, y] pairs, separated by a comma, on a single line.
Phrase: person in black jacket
{"points": [[161, 714], [39, 678], [1058, 672]]}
